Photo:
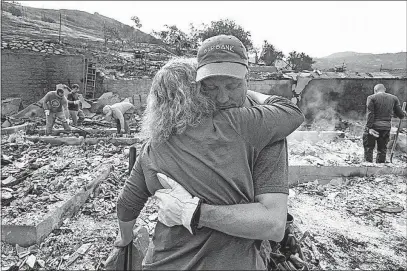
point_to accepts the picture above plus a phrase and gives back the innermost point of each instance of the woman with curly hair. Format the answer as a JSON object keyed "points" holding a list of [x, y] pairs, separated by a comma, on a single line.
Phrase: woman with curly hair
{"points": [[211, 153]]}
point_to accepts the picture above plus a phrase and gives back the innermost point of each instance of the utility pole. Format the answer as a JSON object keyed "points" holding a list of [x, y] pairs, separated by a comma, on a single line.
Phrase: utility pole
{"points": [[60, 22]]}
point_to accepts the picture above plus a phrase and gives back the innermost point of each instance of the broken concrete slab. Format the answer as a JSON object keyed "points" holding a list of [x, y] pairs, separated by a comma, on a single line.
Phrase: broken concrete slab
{"points": [[31, 111], [303, 174], [17, 128], [57, 140], [10, 106], [27, 235], [107, 98]]}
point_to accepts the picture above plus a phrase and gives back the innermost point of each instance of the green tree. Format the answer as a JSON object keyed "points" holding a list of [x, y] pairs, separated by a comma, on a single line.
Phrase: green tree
{"points": [[300, 61], [137, 25], [226, 27], [136, 21], [170, 35], [270, 54], [173, 36]]}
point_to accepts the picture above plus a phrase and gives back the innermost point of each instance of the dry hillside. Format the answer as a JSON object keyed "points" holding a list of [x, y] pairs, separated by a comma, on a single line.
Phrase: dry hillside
{"points": [[76, 26]]}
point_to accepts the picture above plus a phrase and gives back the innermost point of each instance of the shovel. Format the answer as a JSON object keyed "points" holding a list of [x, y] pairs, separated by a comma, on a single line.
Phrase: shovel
{"points": [[397, 135]]}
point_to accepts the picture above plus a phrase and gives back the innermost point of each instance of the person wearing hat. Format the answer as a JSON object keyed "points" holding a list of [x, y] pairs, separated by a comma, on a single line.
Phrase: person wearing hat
{"points": [[55, 107], [74, 106], [120, 113], [223, 75], [211, 217]]}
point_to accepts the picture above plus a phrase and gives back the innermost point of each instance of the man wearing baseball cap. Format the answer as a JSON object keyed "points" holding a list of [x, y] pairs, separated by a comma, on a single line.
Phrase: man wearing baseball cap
{"points": [[223, 75], [55, 107]]}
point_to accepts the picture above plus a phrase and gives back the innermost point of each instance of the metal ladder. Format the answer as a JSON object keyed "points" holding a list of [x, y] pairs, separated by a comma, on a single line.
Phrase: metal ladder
{"points": [[90, 79]]}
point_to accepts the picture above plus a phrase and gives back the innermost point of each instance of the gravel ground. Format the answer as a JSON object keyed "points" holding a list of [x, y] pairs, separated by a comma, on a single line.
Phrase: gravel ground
{"points": [[347, 231]]}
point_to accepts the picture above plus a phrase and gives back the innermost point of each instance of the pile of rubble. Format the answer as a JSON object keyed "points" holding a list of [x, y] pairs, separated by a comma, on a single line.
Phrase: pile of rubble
{"points": [[353, 223], [53, 174], [339, 152]]}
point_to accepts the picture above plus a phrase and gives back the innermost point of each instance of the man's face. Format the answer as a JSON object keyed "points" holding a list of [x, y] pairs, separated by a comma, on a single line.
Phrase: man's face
{"points": [[74, 90], [225, 91]]}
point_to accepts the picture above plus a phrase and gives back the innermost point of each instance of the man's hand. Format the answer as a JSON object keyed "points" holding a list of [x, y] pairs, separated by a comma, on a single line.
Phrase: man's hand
{"points": [[46, 112], [122, 131], [176, 206], [68, 121], [373, 133], [76, 102]]}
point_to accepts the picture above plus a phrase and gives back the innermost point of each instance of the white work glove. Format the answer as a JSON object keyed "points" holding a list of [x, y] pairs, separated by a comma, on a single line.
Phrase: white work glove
{"points": [[76, 102], [46, 112], [68, 121], [373, 133], [176, 206]]}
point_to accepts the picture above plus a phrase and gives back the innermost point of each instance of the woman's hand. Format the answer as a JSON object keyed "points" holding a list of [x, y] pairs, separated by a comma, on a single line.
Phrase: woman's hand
{"points": [[125, 235], [121, 242]]}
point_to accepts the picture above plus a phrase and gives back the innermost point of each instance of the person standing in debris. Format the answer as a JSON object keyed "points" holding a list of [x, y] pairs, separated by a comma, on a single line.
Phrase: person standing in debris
{"points": [[121, 113], [381, 106], [212, 154], [55, 106], [74, 106]]}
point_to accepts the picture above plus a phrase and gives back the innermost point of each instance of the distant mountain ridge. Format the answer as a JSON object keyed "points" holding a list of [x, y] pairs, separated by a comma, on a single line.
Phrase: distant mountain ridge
{"points": [[345, 54], [362, 62]]}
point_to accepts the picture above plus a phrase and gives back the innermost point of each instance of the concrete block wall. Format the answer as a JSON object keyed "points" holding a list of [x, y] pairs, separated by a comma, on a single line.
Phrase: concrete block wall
{"points": [[345, 96], [137, 89], [30, 76], [274, 87]]}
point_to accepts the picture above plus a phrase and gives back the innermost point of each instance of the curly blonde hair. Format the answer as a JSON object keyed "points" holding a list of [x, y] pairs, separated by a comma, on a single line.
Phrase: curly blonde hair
{"points": [[175, 101]]}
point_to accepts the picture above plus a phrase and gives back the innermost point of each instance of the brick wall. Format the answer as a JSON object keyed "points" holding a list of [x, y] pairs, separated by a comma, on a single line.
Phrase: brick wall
{"points": [[275, 87], [30, 76], [137, 89]]}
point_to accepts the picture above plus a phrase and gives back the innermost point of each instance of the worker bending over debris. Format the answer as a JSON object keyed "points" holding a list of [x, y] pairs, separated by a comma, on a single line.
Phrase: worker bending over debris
{"points": [[380, 108], [74, 106], [216, 222], [121, 113], [55, 106]]}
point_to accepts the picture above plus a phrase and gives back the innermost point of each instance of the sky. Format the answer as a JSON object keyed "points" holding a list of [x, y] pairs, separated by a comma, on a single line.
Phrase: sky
{"points": [[318, 28]]}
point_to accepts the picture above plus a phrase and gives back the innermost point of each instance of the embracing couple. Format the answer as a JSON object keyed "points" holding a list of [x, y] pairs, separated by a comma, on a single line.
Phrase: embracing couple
{"points": [[215, 159]]}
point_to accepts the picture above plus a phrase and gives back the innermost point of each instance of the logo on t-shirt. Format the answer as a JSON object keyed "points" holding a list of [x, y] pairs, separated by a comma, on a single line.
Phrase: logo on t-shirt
{"points": [[55, 103]]}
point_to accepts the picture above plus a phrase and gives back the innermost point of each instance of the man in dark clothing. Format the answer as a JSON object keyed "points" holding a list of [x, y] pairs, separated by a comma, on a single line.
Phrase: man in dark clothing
{"points": [[381, 106], [74, 104]]}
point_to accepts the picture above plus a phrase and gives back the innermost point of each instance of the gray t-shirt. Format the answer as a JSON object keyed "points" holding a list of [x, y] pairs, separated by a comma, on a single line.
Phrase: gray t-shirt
{"points": [[270, 173], [214, 162]]}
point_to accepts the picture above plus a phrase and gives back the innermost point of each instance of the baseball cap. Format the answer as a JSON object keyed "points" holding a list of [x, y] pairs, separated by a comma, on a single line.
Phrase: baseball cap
{"points": [[222, 55]]}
